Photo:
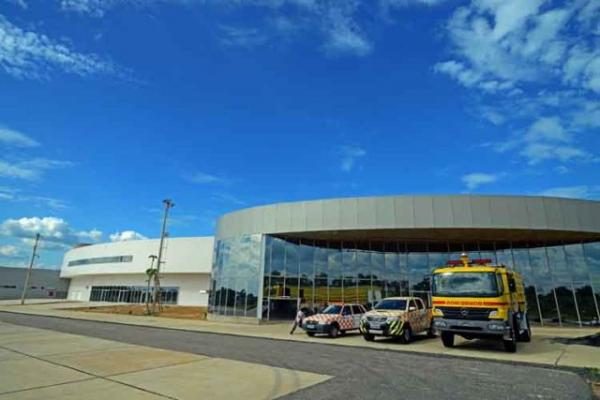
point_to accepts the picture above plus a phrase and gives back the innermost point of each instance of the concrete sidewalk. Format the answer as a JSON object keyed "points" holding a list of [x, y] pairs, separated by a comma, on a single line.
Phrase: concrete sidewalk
{"points": [[37, 363], [542, 350]]}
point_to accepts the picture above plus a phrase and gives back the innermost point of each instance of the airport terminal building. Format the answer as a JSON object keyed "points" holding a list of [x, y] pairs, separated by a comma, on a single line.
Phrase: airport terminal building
{"points": [[267, 259]]}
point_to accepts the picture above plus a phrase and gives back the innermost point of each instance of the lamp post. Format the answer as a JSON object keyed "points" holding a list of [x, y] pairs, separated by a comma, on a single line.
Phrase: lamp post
{"points": [[168, 203], [28, 276]]}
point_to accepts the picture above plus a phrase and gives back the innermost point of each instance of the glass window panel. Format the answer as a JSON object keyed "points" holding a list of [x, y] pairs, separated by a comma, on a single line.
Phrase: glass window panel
{"points": [[292, 263], [504, 257], [377, 260], [364, 291], [544, 285], [292, 289], [320, 260], [557, 262], [377, 292], [592, 257], [418, 268], [239, 304], [321, 294], [350, 292], [334, 263], [576, 262], [363, 262], [588, 308], [252, 298], [349, 265], [277, 257], [306, 254], [391, 266]]}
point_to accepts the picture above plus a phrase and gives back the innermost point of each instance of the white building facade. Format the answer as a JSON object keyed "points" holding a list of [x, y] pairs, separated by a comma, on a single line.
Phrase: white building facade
{"points": [[116, 272]]}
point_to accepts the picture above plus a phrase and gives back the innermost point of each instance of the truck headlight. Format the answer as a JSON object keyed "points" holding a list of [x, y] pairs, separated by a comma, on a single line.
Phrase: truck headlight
{"points": [[437, 312], [439, 323], [496, 327], [494, 314], [392, 319]]}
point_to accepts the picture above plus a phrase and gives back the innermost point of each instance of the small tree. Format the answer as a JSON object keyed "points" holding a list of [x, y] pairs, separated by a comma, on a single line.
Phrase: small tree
{"points": [[151, 273]]}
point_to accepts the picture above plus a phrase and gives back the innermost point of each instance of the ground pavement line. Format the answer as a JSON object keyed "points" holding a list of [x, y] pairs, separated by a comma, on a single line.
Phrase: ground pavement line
{"points": [[92, 377], [550, 365]]}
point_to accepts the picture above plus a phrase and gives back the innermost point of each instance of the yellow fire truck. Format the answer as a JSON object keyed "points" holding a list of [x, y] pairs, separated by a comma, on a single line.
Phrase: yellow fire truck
{"points": [[475, 299]]}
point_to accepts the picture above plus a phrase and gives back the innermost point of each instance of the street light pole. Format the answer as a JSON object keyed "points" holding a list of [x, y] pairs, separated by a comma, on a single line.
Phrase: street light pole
{"points": [[168, 205], [28, 276]]}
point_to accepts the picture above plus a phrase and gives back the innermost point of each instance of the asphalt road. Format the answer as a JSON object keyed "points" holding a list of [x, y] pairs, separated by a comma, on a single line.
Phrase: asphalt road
{"points": [[359, 373]]}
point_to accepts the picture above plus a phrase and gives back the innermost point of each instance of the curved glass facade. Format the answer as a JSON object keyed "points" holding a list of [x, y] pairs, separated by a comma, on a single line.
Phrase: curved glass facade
{"points": [[562, 280]]}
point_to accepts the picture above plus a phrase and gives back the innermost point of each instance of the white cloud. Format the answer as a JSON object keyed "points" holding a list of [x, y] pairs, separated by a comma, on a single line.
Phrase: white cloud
{"points": [[349, 156], [476, 179], [204, 178], [548, 129], [54, 231], [343, 34], [30, 169], [538, 152], [515, 41], [17, 139], [19, 3], [125, 236], [28, 54], [575, 192], [247, 38], [15, 195], [225, 197], [9, 251]]}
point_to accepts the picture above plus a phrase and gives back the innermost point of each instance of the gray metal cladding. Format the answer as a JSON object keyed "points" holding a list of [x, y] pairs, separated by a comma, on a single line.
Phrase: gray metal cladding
{"points": [[406, 212]]}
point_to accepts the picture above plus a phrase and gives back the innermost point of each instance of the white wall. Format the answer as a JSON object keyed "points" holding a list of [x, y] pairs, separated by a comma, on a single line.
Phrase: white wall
{"points": [[181, 255], [193, 288]]}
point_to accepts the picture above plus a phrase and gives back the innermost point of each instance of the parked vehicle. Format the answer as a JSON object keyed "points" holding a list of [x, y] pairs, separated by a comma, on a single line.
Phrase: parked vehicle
{"points": [[334, 320], [475, 299], [399, 317]]}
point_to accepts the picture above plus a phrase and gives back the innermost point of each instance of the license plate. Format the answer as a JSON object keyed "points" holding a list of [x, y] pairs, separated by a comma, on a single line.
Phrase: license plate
{"points": [[310, 326], [375, 331], [375, 325]]}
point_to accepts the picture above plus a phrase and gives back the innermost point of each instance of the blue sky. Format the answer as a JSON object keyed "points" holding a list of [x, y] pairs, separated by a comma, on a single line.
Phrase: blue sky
{"points": [[109, 106]]}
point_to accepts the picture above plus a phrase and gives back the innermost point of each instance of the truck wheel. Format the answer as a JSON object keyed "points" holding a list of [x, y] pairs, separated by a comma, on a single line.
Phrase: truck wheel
{"points": [[430, 332], [368, 337], [406, 337], [510, 345], [448, 339], [526, 335], [311, 334], [334, 331]]}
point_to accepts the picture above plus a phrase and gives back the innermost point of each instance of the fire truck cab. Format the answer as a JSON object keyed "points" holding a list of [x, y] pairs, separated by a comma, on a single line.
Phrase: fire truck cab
{"points": [[475, 299]]}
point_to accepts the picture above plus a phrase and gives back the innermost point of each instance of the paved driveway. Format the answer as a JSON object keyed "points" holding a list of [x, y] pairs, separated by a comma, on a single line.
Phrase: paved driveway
{"points": [[358, 373]]}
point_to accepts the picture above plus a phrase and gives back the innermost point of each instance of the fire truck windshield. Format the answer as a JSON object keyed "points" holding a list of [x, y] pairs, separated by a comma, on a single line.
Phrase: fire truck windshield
{"points": [[465, 284]]}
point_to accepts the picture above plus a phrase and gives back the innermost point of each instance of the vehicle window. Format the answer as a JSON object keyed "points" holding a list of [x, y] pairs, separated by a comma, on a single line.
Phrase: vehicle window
{"points": [[332, 310], [412, 304], [465, 284], [391, 305], [357, 310], [346, 311], [420, 305]]}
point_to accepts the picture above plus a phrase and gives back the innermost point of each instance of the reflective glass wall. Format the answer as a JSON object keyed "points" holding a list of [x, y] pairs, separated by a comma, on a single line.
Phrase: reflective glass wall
{"points": [[562, 281], [235, 276]]}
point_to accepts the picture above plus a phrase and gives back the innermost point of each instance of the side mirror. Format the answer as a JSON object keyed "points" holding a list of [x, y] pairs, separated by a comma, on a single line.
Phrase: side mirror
{"points": [[512, 286], [412, 308]]}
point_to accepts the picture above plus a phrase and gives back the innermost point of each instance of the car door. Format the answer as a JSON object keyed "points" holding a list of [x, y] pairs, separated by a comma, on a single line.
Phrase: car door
{"points": [[413, 316], [356, 314], [422, 313], [347, 321]]}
